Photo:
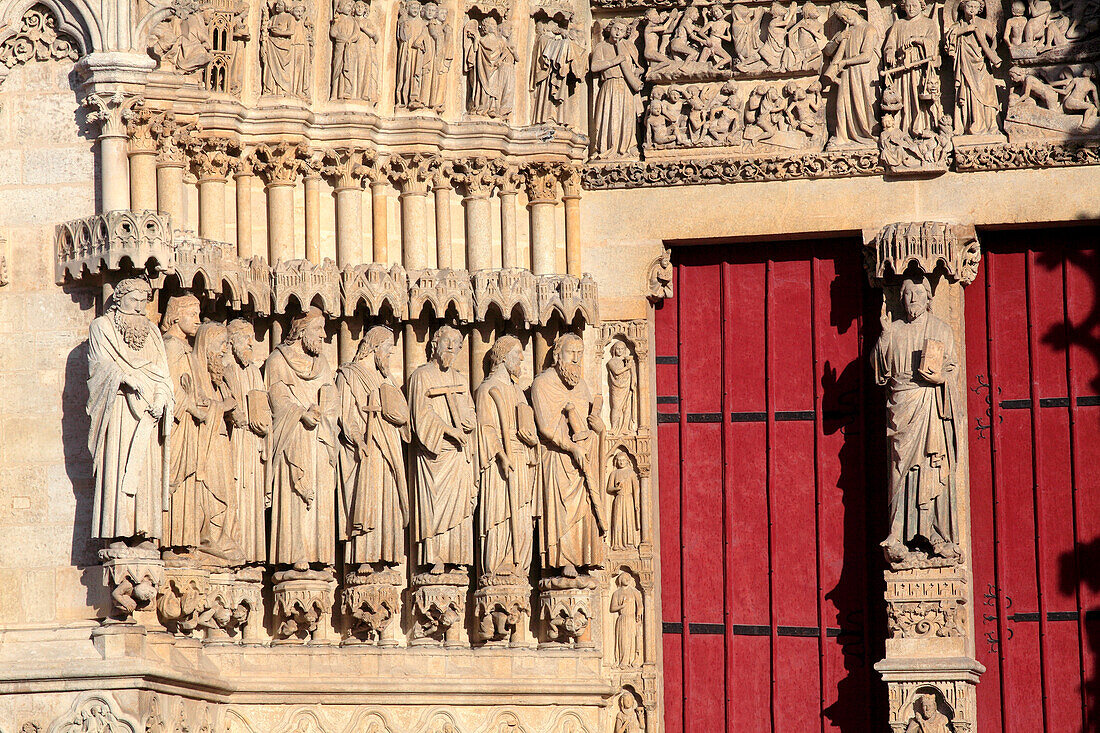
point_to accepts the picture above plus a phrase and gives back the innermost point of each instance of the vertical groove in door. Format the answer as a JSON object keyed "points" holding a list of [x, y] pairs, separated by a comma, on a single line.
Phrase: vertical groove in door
{"points": [[1036, 473], [727, 590], [769, 436], [815, 366], [685, 666]]}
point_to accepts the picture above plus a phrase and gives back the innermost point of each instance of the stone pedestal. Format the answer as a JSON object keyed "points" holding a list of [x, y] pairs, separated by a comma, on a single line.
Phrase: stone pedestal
{"points": [[925, 688], [567, 608], [236, 606], [371, 601], [439, 608], [133, 575], [502, 610], [303, 606], [182, 605]]}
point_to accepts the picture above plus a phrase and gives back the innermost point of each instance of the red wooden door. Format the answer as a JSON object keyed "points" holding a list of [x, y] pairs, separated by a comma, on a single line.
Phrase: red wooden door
{"points": [[1033, 365], [766, 550]]}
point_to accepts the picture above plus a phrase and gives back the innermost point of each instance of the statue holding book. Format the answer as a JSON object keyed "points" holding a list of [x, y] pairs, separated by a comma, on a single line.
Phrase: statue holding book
{"points": [[915, 360]]}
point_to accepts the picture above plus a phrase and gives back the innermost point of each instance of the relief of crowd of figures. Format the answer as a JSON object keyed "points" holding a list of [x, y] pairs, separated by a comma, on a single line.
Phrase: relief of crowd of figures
{"points": [[193, 443], [910, 80]]}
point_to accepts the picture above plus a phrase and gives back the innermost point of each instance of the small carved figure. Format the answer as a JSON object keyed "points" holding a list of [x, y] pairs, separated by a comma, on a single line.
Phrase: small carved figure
{"points": [[415, 55], [183, 39], [614, 62], [302, 467], [1014, 27], [302, 43], [774, 51], [807, 40], [911, 55], [568, 421], [655, 39], [661, 274], [716, 33], [506, 442], [626, 519], [366, 47], [922, 399], [927, 717], [1079, 95], [971, 42], [805, 111], [746, 36], [687, 41], [557, 66], [285, 48], [439, 33], [1030, 88], [622, 384], [442, 419], [628, 605], [853, 70], [250, 424], [344, 32], [629, 718], [489, 64], [374, 422], [240, 33], [661, 122], [130, 405]]}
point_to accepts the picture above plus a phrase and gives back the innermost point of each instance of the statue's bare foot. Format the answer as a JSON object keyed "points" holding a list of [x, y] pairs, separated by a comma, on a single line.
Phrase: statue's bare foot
{"points": [[569, 571], [301, 567], [437, 569]]}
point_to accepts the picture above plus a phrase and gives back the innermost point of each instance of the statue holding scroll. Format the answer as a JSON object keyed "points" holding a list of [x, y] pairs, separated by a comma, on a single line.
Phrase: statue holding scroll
{"points": [[568, 421], [915, 360], [442, 420], [129, 395]]}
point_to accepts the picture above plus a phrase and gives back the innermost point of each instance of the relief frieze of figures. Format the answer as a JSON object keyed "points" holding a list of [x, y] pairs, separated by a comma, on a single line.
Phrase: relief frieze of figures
{"points": [[211, 467]]}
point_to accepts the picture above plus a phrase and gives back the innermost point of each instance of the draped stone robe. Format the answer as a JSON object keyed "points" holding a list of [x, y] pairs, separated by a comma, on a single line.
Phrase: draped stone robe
{"points": [[125, 440], [414, 62], [923, 449], [506, 511], [249, 452], [571, 535], [444, 476], [302, 468], [186, 510], [375, 494]]}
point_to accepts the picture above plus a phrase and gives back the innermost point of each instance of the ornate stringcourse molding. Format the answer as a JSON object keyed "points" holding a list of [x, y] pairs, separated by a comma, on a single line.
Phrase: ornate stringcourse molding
{"points": [[927, 245], [119, 241], [730, 170], [1015, 156]]}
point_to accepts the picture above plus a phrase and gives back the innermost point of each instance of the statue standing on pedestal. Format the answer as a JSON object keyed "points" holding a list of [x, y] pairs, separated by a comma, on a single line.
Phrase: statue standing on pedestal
{"points": [[915, 360], [374, 422], [442, 420], [506, 442], [569, 423], [129, 395], [302, 468], [250, 424]]}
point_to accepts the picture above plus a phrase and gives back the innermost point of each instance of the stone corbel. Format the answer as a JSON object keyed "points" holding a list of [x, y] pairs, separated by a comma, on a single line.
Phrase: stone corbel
{"points": [[931, 247], [659, 276]]}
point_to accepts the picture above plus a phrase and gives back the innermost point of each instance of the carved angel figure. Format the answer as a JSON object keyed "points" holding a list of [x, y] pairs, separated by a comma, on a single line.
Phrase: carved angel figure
{"points": [[971, 42], [615, 63], [853, 72], [130, 404], [183, 39]]}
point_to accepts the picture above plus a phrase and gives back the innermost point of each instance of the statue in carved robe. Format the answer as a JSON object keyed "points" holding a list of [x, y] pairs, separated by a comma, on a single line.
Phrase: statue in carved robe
{"points": [[130, 397], [439, 30], [374, 422], [554, 67], [185, 509], [911, 55], [622, 485], [853, 71], [277, 51], [302, 42], [183, 40], [414, 57], [569, 424], [972, 44], [442, 419], [344, 32], [366, 47], [614, 60], [302, 468], [506, 454], [622, 380], [627, 603], [927, 717], [250, 424], [915, 360], [213, 480]]}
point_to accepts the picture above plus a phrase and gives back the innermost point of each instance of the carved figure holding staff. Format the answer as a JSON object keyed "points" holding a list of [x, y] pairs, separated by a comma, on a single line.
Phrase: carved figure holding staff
{"points": [[506, 443], [442, 420], [915, 360], [374, 422], [568, 421], [302, 469], [130, 403]]}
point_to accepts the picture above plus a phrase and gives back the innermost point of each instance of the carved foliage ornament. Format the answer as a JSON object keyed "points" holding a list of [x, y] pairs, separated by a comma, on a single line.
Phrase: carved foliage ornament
{"points": [[36, 39], [93, 713]]}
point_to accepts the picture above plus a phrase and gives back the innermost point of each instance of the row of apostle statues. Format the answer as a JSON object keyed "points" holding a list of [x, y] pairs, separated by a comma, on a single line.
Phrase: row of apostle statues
{"points": [[192, 443]]}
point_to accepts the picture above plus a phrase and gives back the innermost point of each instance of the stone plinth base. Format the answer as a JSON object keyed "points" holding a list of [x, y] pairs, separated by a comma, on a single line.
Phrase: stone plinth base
{"points": [[370, 602], [134, 576], [182, 603], [502, 610], [439, 608], [236, 605], [303, 606], [925, 689], [567, 608], [926, 612]]}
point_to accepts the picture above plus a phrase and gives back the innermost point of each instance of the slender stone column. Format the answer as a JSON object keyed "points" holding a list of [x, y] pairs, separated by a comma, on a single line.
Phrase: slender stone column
{"points": [[243, 175], [509, 180], [312, 182], [345, 168], [210, 162], [278, 166], [541, 180], [475, 178], [411, 173], [379, 210], [441, 191], [571, 196], [928, 551], [143, 161], [112, 110]]}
